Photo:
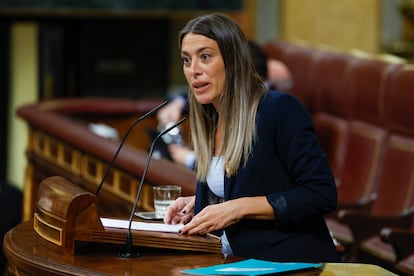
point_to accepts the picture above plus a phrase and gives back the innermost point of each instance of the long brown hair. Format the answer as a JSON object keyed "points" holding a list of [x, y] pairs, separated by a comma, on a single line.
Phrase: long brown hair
{"points": [[243, 91]]}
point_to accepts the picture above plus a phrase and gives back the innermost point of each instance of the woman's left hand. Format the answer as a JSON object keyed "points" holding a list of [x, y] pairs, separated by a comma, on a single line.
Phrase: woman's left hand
{"points": [[213, 217], [222, 215]]}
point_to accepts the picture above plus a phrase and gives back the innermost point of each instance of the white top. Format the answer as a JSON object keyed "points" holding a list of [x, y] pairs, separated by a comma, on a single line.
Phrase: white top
{"points": [[215, 176], [215, 181]]}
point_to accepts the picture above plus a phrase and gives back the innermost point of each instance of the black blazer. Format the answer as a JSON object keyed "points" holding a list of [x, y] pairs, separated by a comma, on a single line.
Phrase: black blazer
{"points": [[286, 165]]}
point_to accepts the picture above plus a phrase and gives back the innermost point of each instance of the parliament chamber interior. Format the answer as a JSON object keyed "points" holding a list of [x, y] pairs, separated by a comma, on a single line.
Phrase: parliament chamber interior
{"points": [[67, 69]]}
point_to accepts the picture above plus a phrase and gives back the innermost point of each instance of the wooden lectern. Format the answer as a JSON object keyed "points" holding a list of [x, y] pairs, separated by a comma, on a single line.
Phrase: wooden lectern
{"points": [[66, 214]]}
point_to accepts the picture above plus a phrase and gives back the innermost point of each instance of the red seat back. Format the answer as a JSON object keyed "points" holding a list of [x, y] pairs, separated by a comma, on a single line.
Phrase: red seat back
{"points": [[396, 187], [367, 133]]}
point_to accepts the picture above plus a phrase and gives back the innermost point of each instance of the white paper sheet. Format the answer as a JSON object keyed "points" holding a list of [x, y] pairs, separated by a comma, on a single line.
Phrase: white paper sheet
{"points": [[137, 225]]}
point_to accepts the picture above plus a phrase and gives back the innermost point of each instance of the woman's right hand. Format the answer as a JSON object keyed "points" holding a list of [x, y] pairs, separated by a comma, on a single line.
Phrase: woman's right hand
{"points": [[181, 211]]}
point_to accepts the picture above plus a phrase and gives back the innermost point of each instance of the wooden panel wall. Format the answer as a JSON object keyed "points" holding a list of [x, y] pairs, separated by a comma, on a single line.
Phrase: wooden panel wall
{"points": [[342, 24]]}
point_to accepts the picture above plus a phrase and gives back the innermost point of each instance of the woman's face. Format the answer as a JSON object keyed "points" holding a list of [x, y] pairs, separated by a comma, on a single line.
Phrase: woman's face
{"points": [[203, 67]]}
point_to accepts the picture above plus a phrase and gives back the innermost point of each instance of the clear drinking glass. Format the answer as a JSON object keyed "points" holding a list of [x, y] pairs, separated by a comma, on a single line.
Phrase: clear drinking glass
{"points": [[163, 197]]}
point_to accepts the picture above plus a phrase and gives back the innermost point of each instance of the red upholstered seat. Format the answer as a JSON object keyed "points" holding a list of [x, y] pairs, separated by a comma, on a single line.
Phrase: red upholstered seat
{"points": [[299, 60], [366, 136], [363, 114], [332, 132], [406, 265], [400, 243], [350, 121], [394, 206], [276, 49], [331, 72], [332, 105], [395, 203]]}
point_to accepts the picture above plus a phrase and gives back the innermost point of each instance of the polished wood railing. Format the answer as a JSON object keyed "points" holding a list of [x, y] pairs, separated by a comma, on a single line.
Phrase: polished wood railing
{"points": [[60, 143]]}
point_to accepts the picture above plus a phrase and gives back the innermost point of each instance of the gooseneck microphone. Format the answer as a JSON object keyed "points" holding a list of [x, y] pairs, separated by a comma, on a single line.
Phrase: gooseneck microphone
{"points": [[111, 164], [129, 244]]}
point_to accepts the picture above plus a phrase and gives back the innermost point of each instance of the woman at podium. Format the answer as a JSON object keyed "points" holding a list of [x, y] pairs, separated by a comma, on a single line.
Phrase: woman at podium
{"points": [[263, 182]]}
